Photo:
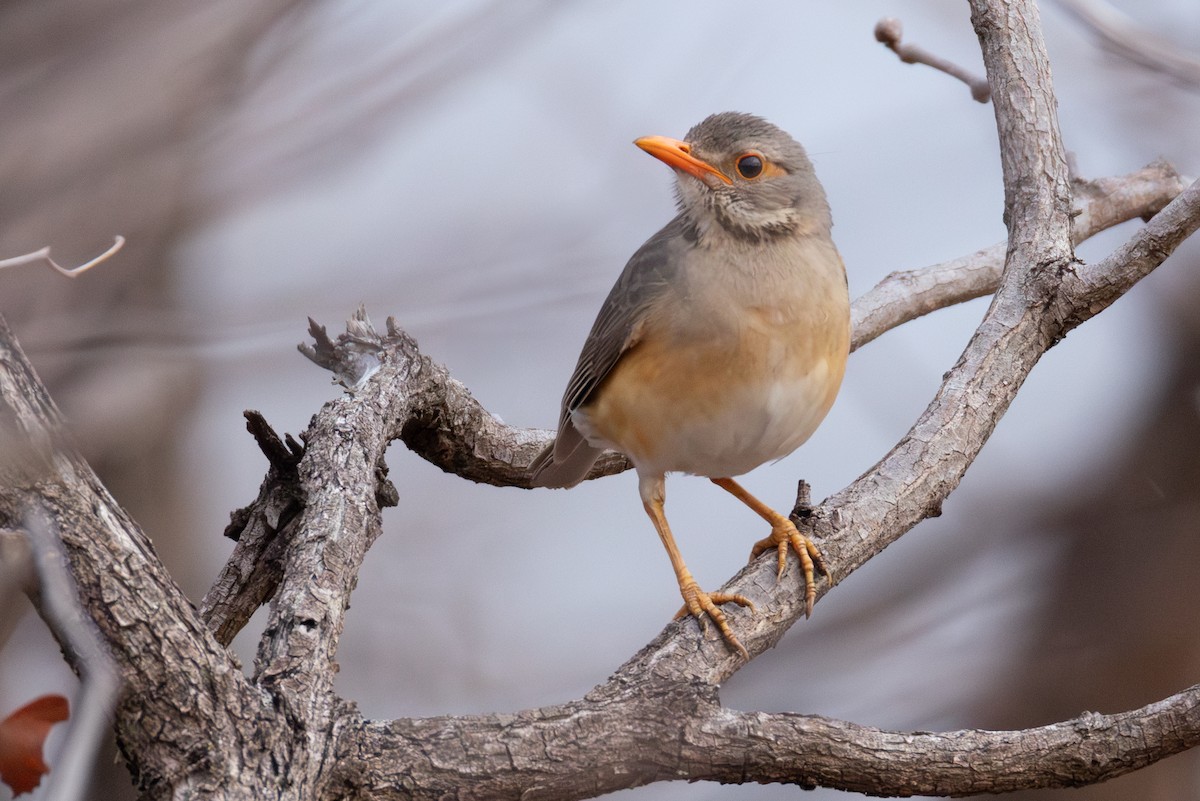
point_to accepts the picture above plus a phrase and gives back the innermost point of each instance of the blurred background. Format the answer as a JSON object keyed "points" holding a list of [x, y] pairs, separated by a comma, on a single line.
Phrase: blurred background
{"points": [[467, 167]]}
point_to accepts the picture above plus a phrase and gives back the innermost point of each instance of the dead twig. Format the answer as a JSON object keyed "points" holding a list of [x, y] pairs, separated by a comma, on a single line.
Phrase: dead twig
{"points": [[889, 31], [43, 256]]}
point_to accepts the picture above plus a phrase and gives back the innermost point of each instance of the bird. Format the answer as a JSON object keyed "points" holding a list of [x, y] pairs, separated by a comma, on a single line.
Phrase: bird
{"points": [[722, 344]]}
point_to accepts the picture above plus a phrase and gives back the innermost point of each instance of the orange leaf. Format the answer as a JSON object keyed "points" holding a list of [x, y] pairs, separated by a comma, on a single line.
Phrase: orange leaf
{"points": [[21, 736]]}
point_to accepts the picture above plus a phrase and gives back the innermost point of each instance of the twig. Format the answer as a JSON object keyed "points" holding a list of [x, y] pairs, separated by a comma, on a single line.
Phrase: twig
{"points": [[43, 256], [889, 31]]}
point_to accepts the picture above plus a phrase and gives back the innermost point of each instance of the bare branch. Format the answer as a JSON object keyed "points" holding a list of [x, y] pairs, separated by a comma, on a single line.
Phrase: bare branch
{"points": [[626, 735], [889, 31], [1102, 283], [340, 475], [815, 751], [251, 574], [17, 575], [906, 295], [353, 358], [43, 256], [1037, 187]]}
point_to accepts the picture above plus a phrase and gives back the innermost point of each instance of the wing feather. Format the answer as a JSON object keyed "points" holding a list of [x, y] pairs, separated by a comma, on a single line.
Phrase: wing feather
{"points": [[646, 278]]}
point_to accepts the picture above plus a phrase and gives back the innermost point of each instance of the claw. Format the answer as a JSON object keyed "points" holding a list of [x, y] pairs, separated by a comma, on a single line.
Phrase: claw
{"points": [[785, 536], [700, 604]]}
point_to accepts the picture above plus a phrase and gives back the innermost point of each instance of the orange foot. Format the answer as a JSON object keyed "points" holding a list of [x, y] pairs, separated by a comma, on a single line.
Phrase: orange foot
{"points": [[699, 603], [784, 534]]}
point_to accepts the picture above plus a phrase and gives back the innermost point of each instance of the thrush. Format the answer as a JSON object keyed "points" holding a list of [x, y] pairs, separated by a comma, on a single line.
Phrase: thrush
{"points": [[723, 342]]}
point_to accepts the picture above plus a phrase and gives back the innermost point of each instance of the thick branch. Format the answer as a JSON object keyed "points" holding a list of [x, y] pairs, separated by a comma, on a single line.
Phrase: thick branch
{"points": [[340, 475], [914, 479], [1037, 188], [186, 696], [815, 751], [680, 732]]}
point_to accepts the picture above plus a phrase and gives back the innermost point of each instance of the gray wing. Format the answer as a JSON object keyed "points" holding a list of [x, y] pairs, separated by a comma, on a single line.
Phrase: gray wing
{"points": [[646, 277]]}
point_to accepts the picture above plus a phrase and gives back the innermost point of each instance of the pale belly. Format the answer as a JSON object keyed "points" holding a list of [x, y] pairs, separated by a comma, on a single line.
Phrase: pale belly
{"points": [[718, 410]]}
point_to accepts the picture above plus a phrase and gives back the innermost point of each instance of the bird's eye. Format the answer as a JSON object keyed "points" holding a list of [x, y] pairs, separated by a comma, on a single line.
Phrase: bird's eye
{"points": [[750, 166]]}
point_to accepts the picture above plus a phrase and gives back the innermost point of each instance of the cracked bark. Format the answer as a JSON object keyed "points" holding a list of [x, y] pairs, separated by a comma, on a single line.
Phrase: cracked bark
{"points": [[192, 724]]}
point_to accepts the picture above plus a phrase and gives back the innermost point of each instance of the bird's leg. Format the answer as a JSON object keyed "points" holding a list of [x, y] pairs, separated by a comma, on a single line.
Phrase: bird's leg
{"points": [[696, 601], [783, 534]]}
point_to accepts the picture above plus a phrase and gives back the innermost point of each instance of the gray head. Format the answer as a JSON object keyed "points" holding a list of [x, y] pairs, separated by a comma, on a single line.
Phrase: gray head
{"points": [[743, 177]]}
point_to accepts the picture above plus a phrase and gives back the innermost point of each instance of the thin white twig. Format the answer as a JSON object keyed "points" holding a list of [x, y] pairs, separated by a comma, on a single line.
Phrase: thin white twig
{"points": [[43, 256]]}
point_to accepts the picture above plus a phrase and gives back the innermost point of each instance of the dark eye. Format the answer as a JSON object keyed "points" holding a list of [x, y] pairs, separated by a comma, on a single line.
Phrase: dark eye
{"points": [[750, 166]]}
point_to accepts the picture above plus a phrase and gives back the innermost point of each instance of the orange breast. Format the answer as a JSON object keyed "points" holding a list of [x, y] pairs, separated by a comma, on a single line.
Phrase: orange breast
{"points": [[719, 402]]}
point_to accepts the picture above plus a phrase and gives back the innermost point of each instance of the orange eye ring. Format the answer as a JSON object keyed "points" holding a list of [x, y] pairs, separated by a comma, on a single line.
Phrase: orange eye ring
{"points": [[750, 165]]}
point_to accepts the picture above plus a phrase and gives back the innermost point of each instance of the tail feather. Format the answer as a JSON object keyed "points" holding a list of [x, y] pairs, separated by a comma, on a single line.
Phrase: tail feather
{"points": [[564, 462]]}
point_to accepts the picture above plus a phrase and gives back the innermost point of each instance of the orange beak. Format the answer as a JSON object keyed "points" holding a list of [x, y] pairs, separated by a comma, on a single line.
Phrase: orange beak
{"points": [[678, 155]]}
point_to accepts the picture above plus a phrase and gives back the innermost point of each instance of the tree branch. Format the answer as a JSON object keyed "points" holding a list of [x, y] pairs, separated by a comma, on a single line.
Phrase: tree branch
{"points": [[813, 751], [251, 574], [906, 295], [58, 604], [672, 732], [1095, 287], [188, 708]]}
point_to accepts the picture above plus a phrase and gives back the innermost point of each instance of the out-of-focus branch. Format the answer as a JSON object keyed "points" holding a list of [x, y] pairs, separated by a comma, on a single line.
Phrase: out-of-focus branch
{"points": [[91, 716], [1127, 39], [889, 32]]}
